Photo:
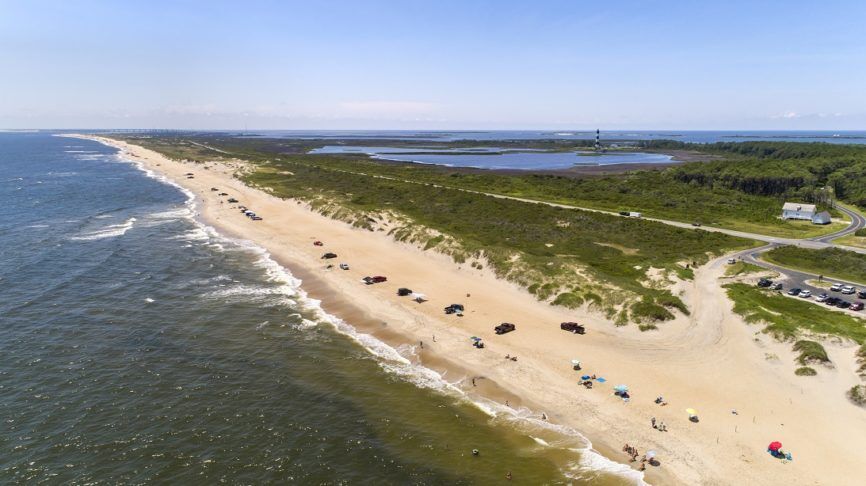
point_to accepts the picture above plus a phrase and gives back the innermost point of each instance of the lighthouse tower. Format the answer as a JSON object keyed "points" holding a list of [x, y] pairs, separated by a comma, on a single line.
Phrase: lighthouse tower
{"points": [[597, 139]]}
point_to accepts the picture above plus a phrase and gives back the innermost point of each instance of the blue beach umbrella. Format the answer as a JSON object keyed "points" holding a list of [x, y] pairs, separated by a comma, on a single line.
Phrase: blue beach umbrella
{"points": [[621, 388], [584, 377]]}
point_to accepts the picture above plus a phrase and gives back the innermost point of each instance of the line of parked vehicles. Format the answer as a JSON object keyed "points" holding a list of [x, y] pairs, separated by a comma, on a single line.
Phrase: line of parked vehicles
{"points": [[823, 297]]}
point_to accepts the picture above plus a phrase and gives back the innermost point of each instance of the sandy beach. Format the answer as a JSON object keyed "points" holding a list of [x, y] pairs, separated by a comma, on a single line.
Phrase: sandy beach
{"points": [[740, 381]]}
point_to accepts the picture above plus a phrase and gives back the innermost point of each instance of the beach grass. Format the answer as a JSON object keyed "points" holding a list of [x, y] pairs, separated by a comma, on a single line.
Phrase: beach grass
{"points": [[788, 318], [829, 262], [810, 352], [543, 248], [742, 268]]}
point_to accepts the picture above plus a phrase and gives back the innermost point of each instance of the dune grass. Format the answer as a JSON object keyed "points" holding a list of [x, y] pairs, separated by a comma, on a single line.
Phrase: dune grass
{"points": [[743, 268], [787, 318], [810, 352], [540, 247]]}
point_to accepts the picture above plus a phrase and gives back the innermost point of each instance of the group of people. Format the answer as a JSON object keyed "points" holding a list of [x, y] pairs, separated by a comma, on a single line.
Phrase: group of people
{"points": [[633, 452], [660, 426]]}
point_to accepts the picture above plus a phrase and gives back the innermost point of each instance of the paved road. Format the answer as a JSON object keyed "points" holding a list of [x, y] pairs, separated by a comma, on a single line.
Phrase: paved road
{"points": [[792, 278]]}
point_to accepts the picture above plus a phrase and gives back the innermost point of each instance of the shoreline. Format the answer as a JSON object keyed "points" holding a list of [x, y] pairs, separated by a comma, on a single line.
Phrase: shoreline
{"points": [[546, 382]]}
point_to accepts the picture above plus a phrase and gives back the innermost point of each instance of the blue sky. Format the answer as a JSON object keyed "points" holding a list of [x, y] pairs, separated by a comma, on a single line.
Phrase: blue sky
{"points": [[433, 65]]}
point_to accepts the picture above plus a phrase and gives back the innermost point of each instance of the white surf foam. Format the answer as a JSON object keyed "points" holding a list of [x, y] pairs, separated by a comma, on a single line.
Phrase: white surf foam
{"points": [[110, 231]]}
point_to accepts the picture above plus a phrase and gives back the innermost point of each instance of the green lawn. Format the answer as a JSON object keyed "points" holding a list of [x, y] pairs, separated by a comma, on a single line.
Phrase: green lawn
{"points": [[851, 240], [786, 317], [830, 262]]}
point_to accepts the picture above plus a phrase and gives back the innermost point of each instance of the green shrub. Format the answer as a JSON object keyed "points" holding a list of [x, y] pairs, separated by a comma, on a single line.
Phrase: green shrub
{"points": [[568, 299], [857, 394], [647, 310], [805, 371], [810, 352]]}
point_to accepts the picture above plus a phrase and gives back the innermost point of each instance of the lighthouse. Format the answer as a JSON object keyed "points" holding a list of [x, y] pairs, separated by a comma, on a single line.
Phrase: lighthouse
{"points": [[597, 139]]}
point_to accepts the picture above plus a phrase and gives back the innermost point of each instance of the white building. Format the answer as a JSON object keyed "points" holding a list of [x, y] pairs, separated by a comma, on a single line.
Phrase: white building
{"points": [[798, 211], [821, 218]]}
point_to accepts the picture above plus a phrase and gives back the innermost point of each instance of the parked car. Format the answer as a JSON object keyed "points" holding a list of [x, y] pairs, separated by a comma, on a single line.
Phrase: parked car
{"points": [[835, 287], [454, 309], [403, 291], [861, 294], [832, 301], [848, 290], [843, 304], [794, 291], [374, 280], [256, 218], [318, 243], [344, 266], [696, 224], [232, 200], [822, 298], [856, 306], [732, 261], [329, 255], [777, 286], [572, 327], [805, 294], [505, 328], [764, 282]]}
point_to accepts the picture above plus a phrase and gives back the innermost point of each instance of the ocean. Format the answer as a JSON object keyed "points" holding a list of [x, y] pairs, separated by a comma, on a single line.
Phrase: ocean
{"points": [[139, 345]]}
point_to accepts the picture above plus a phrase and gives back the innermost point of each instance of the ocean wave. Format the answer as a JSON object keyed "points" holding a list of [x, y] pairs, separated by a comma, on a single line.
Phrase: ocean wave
{"points": [[110, 231]]}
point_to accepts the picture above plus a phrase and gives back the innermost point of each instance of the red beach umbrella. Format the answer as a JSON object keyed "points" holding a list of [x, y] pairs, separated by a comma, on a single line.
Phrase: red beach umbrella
{"points": [[775, 446]]}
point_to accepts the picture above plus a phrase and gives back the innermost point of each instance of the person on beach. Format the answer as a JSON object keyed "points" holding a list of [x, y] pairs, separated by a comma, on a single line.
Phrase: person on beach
{"points": [[422, 344], [473, 382], [653, 422], [625, 447], [543, 416]]}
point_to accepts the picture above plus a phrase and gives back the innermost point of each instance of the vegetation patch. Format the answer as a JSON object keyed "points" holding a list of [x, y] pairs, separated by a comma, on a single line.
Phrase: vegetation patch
{"points": [[785, 318], [805, 371], [830, 262], [743, 268], [857, 394], [810, 352], [568, 299]]}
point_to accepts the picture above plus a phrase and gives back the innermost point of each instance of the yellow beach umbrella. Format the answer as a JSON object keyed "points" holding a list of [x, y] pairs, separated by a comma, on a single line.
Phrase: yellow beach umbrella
{"points": [[692, 412]]}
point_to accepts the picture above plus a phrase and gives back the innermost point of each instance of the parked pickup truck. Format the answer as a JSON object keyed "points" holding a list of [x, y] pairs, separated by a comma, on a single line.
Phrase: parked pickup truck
{"points": [[504, 328]]}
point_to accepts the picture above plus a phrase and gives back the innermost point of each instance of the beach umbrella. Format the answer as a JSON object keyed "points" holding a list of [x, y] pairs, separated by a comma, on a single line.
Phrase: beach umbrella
{"points": [[621, 388], [650, 454], [601, 380], [775, 446], [692, 412], [584, 377], [475, 338], [575, 362]]}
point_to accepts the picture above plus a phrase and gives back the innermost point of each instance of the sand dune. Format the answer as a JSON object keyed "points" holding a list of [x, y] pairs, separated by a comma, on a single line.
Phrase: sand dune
{"points": [[711, 361]]}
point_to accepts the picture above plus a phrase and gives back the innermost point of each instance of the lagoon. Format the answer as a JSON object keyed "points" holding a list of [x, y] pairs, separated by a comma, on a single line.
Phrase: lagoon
{"points": [[497, 158]]}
